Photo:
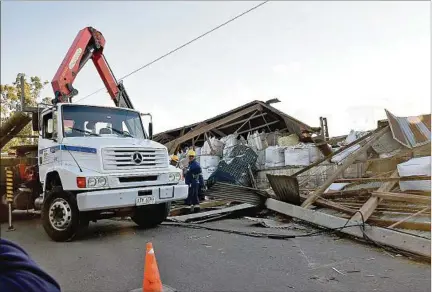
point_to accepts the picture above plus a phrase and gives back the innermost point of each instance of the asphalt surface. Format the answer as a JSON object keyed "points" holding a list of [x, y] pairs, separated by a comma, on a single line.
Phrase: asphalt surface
{"points": [[109, 256]]}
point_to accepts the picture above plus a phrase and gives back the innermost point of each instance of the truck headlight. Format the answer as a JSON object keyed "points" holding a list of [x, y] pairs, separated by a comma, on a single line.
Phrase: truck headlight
{"points": [[102, 181], [174, 176], [91, 182], [97, 182]]}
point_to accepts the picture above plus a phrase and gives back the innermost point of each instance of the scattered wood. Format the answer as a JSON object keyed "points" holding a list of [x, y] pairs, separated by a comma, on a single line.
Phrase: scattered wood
{"points": [[350, 160], [369, 207], [202, 215], [402, 197], [409, 217], [409, 243], [328, 157], [382, 179]]}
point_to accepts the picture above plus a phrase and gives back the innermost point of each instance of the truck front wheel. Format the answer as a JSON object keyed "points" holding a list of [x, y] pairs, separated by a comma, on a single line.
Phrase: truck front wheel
{"points": [[60, 215], [151, 215]]}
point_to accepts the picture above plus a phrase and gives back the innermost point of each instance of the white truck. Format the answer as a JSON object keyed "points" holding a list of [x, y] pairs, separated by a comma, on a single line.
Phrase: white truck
{"points": [[98, 162]]}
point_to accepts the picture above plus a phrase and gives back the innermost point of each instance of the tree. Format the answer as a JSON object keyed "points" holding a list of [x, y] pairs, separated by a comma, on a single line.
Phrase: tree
{"points": [[10, 101]]}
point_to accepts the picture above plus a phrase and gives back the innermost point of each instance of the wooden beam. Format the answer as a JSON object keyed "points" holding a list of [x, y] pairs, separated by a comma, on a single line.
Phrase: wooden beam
{"points": [[369, 207], [350, 160], [245, 122], [410, 243], [219, 132], [423, 226], [240, 121], [409, 217], [383, 179], [214, 125], [401, 197], [259, 127], [265, 122]]}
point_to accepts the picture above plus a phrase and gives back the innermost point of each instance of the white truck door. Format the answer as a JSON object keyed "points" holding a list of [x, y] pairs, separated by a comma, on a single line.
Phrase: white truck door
{"points": [[49, 148]]}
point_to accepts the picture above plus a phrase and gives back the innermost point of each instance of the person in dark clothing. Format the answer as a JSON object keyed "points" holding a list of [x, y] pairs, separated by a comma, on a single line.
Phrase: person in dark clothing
{"points": [[19, 273], [192, 180], [201, 188]]}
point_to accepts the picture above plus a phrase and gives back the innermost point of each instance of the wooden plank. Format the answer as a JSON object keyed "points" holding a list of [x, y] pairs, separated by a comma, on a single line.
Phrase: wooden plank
{"points": [[402, 197], [409, 217], [245, 122], [214, 125], [410, 243], [382, 179], [190, 217], [422, 226], [369, 207], [258, 127], [331, 205], [240, 121], [349, 160]]}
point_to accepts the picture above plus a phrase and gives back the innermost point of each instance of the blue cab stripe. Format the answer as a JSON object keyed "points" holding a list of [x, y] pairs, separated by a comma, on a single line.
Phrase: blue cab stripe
{"points": [[70, 148]]}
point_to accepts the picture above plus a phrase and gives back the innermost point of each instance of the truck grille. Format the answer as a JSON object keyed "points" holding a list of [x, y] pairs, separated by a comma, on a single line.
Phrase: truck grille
{"points": [[134, 158]]}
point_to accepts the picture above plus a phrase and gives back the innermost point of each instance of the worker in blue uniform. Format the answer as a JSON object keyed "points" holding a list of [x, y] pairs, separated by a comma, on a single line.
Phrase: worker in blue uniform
{"points": [[193, 173], [18, 272]]}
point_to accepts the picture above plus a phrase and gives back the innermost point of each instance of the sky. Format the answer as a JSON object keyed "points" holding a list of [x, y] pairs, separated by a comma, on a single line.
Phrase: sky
{"points": [[344, 60]]}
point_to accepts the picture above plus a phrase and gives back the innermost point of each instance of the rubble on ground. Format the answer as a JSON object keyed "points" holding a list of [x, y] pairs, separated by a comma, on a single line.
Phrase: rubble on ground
{"points": [[373, 185]]}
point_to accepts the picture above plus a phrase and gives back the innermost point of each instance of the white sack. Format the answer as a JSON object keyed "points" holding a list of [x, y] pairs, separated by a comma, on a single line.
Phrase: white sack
{"points": [[415, 166], [274, 157], [297, 156]]}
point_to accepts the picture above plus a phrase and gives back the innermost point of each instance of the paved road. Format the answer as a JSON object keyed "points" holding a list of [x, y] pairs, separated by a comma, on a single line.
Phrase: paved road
{"points": [[109, 257]]}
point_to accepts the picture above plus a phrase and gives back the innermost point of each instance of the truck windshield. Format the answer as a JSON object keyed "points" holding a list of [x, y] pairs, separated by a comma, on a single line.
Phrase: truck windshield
{"points": [[79, 121]]}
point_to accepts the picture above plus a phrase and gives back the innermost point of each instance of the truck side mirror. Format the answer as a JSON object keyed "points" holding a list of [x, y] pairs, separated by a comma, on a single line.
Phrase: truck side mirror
{"points": [[35, 121], [150, 130]]}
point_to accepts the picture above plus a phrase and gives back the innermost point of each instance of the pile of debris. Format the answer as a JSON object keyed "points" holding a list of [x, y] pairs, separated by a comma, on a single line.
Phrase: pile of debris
{"points": [[387, 204]]}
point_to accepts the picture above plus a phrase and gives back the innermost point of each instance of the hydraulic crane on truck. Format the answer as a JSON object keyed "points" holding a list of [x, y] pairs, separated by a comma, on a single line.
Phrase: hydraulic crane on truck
{"points": [[88, 44], [96, 162]]}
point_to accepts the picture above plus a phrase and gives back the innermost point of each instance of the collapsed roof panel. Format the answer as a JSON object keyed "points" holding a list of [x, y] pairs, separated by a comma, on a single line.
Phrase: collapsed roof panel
{"points": [[253, 116], [411, 132]]}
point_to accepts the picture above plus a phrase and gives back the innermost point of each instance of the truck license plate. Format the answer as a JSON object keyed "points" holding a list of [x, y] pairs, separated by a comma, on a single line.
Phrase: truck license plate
{"points": [[145, 201]]}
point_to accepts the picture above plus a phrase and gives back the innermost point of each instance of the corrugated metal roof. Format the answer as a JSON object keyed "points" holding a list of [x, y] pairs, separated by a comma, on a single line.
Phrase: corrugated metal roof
{"points": [[410, 131]]}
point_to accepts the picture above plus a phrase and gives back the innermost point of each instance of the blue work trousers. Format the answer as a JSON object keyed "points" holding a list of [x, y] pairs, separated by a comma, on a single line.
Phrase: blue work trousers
{"points": [[193, 193]]}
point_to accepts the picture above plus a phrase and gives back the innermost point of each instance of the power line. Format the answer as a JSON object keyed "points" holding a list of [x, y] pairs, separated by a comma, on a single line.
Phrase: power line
{"points": [[182, 46]]}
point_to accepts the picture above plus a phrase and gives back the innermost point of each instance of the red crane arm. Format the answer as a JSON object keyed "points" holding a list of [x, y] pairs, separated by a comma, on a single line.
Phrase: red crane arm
{"points": [[88, 44]]}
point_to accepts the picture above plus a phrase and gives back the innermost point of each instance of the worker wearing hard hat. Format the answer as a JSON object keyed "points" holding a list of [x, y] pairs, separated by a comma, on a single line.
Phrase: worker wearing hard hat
{"points": [[174, 160], [192, 180]]}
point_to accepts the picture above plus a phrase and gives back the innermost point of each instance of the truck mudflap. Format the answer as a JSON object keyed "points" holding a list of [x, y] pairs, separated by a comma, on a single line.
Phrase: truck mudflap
{"points": [[120, 198]]}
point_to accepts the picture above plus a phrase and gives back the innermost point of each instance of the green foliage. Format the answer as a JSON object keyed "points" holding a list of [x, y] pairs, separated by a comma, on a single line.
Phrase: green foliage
{"points": [[10, 101]]}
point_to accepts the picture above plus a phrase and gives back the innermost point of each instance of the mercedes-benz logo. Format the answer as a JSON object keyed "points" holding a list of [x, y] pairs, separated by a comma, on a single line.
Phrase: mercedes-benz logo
{"points": [[137, 157]]}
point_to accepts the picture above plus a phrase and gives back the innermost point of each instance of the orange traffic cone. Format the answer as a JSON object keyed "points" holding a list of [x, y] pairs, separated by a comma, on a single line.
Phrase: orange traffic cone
{"points": [[151, 281]]}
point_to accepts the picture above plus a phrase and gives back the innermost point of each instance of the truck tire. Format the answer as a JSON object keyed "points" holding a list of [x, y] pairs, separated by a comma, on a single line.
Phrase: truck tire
{"points": [[152, 215], [60, 215]]}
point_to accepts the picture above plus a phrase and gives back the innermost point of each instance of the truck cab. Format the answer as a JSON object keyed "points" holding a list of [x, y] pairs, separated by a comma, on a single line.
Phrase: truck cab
{"points": [[98, 162]]}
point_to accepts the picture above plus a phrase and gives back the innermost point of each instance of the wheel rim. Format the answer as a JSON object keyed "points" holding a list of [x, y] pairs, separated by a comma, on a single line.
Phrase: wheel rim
{"points": [[60, 214]]}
